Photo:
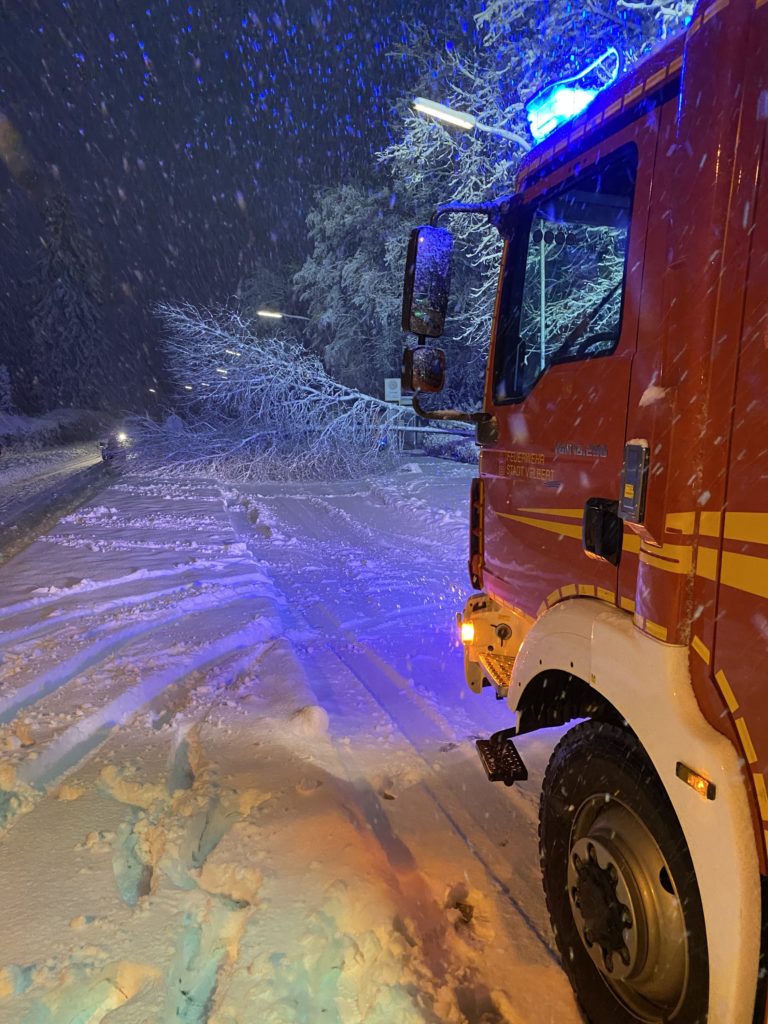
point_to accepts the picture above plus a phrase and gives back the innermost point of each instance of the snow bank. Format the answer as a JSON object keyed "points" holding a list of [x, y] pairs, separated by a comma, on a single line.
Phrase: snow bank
{"points": [[61, 426]]}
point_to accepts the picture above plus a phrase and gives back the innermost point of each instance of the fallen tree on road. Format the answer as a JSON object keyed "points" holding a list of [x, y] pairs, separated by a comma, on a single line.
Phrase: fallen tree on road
{"points": [[255, 407]]}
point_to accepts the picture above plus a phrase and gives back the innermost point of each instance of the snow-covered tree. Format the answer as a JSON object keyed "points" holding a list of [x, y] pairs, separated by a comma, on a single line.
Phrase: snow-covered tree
{"points": [[524, 44], [262, 286], [70, 353], [263, 407], [351, 283]]}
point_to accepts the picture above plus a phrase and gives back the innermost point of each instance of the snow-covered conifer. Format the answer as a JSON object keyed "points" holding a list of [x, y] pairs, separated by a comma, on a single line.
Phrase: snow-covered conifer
{"points": [[69, 348], [351, 283]]}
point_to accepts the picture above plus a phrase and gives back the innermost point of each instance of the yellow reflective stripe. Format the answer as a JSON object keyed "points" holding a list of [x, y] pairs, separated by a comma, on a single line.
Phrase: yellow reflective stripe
{"points": [[577, 590], [685, 522], [762, 796], [660, 632], [748, 573], [702, 650], [747, 526], [727, 692], [746, 740], [710, 524], [566, 513], [562, 528], [706, 563], [634, 94], [745, 572], [628, 604], [670, 557], [751, 527]]}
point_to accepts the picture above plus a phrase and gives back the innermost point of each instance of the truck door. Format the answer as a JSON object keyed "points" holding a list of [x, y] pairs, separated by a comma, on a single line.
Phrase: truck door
{"points": [[566, 330]]}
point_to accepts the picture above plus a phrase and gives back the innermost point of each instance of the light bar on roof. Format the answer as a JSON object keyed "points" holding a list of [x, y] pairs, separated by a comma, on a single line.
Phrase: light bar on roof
{"points": [[563, 100]]}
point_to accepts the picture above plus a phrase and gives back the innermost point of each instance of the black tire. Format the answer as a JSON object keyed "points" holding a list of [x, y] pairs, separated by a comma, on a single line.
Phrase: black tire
{"points": [[617, 871]]}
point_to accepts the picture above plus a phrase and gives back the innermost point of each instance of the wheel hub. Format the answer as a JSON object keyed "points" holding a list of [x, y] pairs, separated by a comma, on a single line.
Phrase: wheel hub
{"points": [[626, 909], [603, 906]]}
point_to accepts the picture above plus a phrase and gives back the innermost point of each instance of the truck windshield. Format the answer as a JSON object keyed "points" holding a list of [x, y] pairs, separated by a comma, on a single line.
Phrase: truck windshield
{"points": [[562, 294]]}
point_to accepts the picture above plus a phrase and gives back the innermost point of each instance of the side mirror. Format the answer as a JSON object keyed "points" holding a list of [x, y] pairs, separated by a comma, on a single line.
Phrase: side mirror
{"points": [[427, 281], [423, 369]]}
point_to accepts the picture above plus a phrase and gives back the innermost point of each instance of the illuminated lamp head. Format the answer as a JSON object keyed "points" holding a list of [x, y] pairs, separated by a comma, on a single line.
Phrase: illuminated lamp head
{"points": [[563, 100]]}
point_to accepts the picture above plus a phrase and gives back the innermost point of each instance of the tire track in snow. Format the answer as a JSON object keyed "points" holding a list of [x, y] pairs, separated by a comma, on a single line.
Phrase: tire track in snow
{"points": [[47, 682], [86, 587], [81, 740], [115, 607]]}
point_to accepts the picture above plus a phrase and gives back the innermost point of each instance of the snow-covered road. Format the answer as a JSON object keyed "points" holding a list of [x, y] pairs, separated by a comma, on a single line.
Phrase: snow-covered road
{"points": [[23, 475], [238, 781], [37, 486]]}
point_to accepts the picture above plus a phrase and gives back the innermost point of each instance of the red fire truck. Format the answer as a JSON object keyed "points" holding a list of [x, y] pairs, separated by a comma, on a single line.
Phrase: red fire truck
{"points": [[619, 522]]}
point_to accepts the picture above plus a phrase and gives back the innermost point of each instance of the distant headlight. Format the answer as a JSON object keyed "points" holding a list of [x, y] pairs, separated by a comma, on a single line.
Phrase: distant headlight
{"points": [[122, 437]]}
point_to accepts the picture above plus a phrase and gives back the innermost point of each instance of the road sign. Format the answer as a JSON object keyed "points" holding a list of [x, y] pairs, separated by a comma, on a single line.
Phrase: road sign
{"points": [[391, 389]]}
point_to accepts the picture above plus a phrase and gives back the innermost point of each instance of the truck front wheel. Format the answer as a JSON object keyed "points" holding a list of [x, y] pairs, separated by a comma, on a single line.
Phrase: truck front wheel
{"points": [[619, 883]]}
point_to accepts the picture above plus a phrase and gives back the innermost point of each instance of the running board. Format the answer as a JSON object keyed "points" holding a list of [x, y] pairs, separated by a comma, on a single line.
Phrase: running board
{"points": [[500, 758]]}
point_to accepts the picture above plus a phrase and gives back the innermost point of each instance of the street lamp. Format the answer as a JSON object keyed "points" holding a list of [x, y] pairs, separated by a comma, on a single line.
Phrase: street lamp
{"points": [[466, 122], [273, 314]]}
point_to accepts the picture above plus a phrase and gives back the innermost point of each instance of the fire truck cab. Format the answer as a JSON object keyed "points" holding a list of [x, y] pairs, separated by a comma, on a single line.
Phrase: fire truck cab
{"points": [[619, 522]]}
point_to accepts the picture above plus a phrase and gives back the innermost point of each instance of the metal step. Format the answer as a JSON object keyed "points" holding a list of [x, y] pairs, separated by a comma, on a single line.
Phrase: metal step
{"points": [[498, 668], [500, 758]]}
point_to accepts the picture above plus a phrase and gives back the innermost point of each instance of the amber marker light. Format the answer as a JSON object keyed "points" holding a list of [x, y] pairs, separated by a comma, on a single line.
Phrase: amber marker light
{"points": [[703, 787], [467, 632]]}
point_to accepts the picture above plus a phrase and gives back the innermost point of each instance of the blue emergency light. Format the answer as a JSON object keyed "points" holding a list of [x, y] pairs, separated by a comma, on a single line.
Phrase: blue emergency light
{"points": [[557, 103]]}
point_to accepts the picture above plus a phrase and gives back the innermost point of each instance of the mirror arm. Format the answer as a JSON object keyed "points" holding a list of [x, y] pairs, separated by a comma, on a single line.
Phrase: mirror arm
{"points": [[491, 210], [449, 414]]}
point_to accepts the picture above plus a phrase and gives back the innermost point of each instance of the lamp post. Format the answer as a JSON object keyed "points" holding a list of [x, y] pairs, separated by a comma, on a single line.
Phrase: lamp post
{"points": [[275, 314], [465, 122]]}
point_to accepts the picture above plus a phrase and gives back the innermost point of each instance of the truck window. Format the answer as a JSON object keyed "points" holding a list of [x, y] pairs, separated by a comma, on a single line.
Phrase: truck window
{"points": [[563, 287]]}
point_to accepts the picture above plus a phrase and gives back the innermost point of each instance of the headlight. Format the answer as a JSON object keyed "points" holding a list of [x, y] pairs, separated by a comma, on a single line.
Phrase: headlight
{"points": [[122, 437]]}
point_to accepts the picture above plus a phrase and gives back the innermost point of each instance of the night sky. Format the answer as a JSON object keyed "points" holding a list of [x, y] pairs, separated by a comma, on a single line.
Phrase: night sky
{"points": [[189, 137]]}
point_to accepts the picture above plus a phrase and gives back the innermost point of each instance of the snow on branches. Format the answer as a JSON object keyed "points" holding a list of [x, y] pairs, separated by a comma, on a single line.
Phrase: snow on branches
{"points": [[668, 14], [256, 407]]}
